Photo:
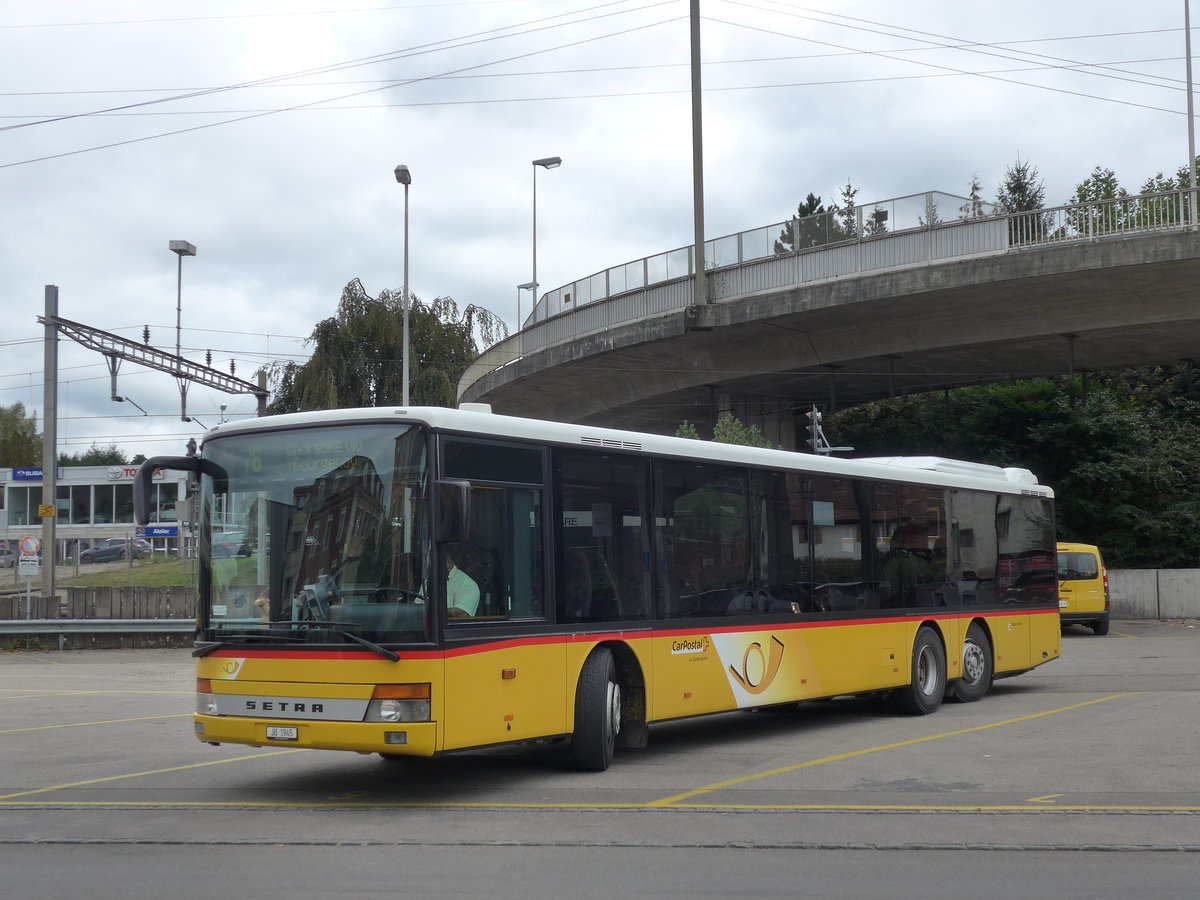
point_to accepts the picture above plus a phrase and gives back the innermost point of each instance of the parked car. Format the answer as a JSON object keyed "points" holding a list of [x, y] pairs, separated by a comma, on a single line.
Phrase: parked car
{"points": [[116, 548], [231, 543], [1083, 595]]}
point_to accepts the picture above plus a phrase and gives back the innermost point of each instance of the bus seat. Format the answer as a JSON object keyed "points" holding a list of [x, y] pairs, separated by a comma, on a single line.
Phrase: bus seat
{"points": [[591, 590]]}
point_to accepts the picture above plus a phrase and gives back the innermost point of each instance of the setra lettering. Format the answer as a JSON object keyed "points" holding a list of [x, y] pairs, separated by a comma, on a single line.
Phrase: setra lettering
{"points": [[283, 706]]}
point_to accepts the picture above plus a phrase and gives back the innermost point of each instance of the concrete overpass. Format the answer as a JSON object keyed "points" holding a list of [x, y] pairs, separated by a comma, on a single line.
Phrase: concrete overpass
{"points": [[981, 299]]}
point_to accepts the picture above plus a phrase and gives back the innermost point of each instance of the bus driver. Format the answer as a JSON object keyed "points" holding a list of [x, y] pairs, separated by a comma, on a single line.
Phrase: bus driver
{"points": [[462, 593]]}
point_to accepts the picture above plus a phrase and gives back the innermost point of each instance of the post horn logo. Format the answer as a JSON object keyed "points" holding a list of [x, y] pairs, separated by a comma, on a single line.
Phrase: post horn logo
{"points": [[758, 668]]}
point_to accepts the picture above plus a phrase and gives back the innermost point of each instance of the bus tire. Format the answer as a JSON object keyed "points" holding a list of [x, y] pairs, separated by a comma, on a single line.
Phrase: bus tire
{"points": [[977, 667], [923, 695], [597, 712]]}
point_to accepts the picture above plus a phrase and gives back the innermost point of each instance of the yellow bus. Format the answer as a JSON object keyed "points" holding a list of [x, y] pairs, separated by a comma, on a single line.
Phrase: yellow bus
{"points": [[427, 580]]}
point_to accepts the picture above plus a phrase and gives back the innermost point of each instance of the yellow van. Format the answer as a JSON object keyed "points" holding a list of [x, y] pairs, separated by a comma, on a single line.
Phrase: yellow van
{"points": [[1083, 587]]}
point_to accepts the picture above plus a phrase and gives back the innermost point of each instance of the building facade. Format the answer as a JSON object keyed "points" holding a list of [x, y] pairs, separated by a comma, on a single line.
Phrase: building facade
{"points": [[92, 503]]}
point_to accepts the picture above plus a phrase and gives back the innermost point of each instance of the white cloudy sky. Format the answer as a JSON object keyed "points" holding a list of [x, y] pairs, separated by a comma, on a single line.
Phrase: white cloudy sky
{"points": [[265, 132]]}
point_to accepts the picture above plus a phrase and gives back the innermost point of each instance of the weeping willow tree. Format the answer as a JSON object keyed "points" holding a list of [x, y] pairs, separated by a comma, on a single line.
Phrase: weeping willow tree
{"points": [[358, 353]]}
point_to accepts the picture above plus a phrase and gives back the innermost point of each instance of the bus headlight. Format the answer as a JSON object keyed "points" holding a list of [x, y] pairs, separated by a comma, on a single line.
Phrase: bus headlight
{"points": [[398, 711], [399, 703], [206, 700]]}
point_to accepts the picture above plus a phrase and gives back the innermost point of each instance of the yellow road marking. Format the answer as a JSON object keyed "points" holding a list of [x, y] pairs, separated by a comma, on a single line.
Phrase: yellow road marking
{"points": [[110, 778], [1049, 798], [668, 801], [52, 662], [101, 722]]}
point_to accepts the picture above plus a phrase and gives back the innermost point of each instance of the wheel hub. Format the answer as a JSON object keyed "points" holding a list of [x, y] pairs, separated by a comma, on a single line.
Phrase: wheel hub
{"points": [[973, 663]]}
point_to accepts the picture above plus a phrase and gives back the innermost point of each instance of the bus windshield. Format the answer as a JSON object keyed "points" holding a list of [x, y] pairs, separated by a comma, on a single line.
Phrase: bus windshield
{"points": [[316, 535]]}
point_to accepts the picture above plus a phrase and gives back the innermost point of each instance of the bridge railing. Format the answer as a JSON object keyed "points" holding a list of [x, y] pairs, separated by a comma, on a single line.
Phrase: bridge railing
{"points": [[1100, 218], [904, 231], [797, 234]]}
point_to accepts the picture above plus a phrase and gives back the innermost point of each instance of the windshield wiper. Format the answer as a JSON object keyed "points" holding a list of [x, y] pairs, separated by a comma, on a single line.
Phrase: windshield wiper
{"points": [[239, 639], [293, 639], [372, 646]]}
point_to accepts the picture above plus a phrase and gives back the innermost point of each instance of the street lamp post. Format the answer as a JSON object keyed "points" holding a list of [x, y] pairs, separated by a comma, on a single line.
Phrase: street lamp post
{"points": [[550, 162], [527, 286], [404, 177], [181, 249]]}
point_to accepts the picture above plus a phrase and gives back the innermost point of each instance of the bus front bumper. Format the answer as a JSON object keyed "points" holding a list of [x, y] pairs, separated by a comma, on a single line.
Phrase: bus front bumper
{"points": [[399, 739]]}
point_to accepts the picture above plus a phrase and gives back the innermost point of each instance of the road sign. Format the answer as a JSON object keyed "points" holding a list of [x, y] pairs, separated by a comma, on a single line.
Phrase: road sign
{"points": [[158, 531], [28, 563]]}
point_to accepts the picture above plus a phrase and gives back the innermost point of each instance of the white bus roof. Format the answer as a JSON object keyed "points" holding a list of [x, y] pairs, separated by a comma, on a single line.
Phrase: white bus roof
{"points": [[926, 469]]}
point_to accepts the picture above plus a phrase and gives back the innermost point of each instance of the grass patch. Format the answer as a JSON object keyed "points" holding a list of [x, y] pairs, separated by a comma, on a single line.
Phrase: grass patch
{"points": [[155, 572]]}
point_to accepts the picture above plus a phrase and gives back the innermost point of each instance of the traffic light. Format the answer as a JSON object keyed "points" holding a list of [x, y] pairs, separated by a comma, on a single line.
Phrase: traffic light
{"points": [[815, 438]]}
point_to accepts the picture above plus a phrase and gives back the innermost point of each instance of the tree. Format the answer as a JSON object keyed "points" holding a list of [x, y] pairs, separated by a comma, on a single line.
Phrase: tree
{"points": [[20, 443], [1022, 191], [876, 222], [95, 455], [1166, 210], [810, 227], [728, 430], [731, 430], [1124, 465], [975, 207], [1097, 194], [357, 358], [846, 213]]}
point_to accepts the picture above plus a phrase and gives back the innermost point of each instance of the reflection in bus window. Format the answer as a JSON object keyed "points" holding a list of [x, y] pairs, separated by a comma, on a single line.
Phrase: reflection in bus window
{"points": [[783, 575], [601, 537], [1027, 551], [842, 572], [704, 539], [335, 535], [911, 536]]}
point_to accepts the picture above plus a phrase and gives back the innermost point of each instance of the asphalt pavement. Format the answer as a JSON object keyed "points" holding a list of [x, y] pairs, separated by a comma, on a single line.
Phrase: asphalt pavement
{"points": [[1079, 777]]}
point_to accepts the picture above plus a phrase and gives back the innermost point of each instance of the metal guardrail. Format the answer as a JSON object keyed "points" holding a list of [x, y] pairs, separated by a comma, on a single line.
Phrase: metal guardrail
{"points": [[97, 626], [885, 235]]}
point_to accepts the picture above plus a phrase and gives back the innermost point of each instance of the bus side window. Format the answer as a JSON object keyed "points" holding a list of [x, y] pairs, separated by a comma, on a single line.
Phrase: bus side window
{"points": [[601, 537], [705, 544], [503, 552], [503, 555]]}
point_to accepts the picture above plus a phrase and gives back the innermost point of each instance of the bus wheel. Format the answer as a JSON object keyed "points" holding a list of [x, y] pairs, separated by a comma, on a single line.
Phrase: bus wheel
{"points": [[976, 667], [597, 712], [923, 695]]}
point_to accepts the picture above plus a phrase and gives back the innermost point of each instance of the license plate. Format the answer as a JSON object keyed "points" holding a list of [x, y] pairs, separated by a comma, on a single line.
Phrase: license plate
{"points": [[283, 733]]}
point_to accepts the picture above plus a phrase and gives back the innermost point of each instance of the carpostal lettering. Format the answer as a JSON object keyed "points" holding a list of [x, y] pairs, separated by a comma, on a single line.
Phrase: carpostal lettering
{"points": [[283, 706], [691, 645]]}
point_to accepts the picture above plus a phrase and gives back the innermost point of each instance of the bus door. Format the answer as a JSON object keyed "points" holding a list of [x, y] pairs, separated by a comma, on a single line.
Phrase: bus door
{"points": [[504, 677]]}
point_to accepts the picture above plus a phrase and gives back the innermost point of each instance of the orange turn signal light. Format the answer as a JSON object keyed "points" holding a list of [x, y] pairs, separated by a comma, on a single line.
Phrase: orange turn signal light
{"points": [[401, 692]]}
